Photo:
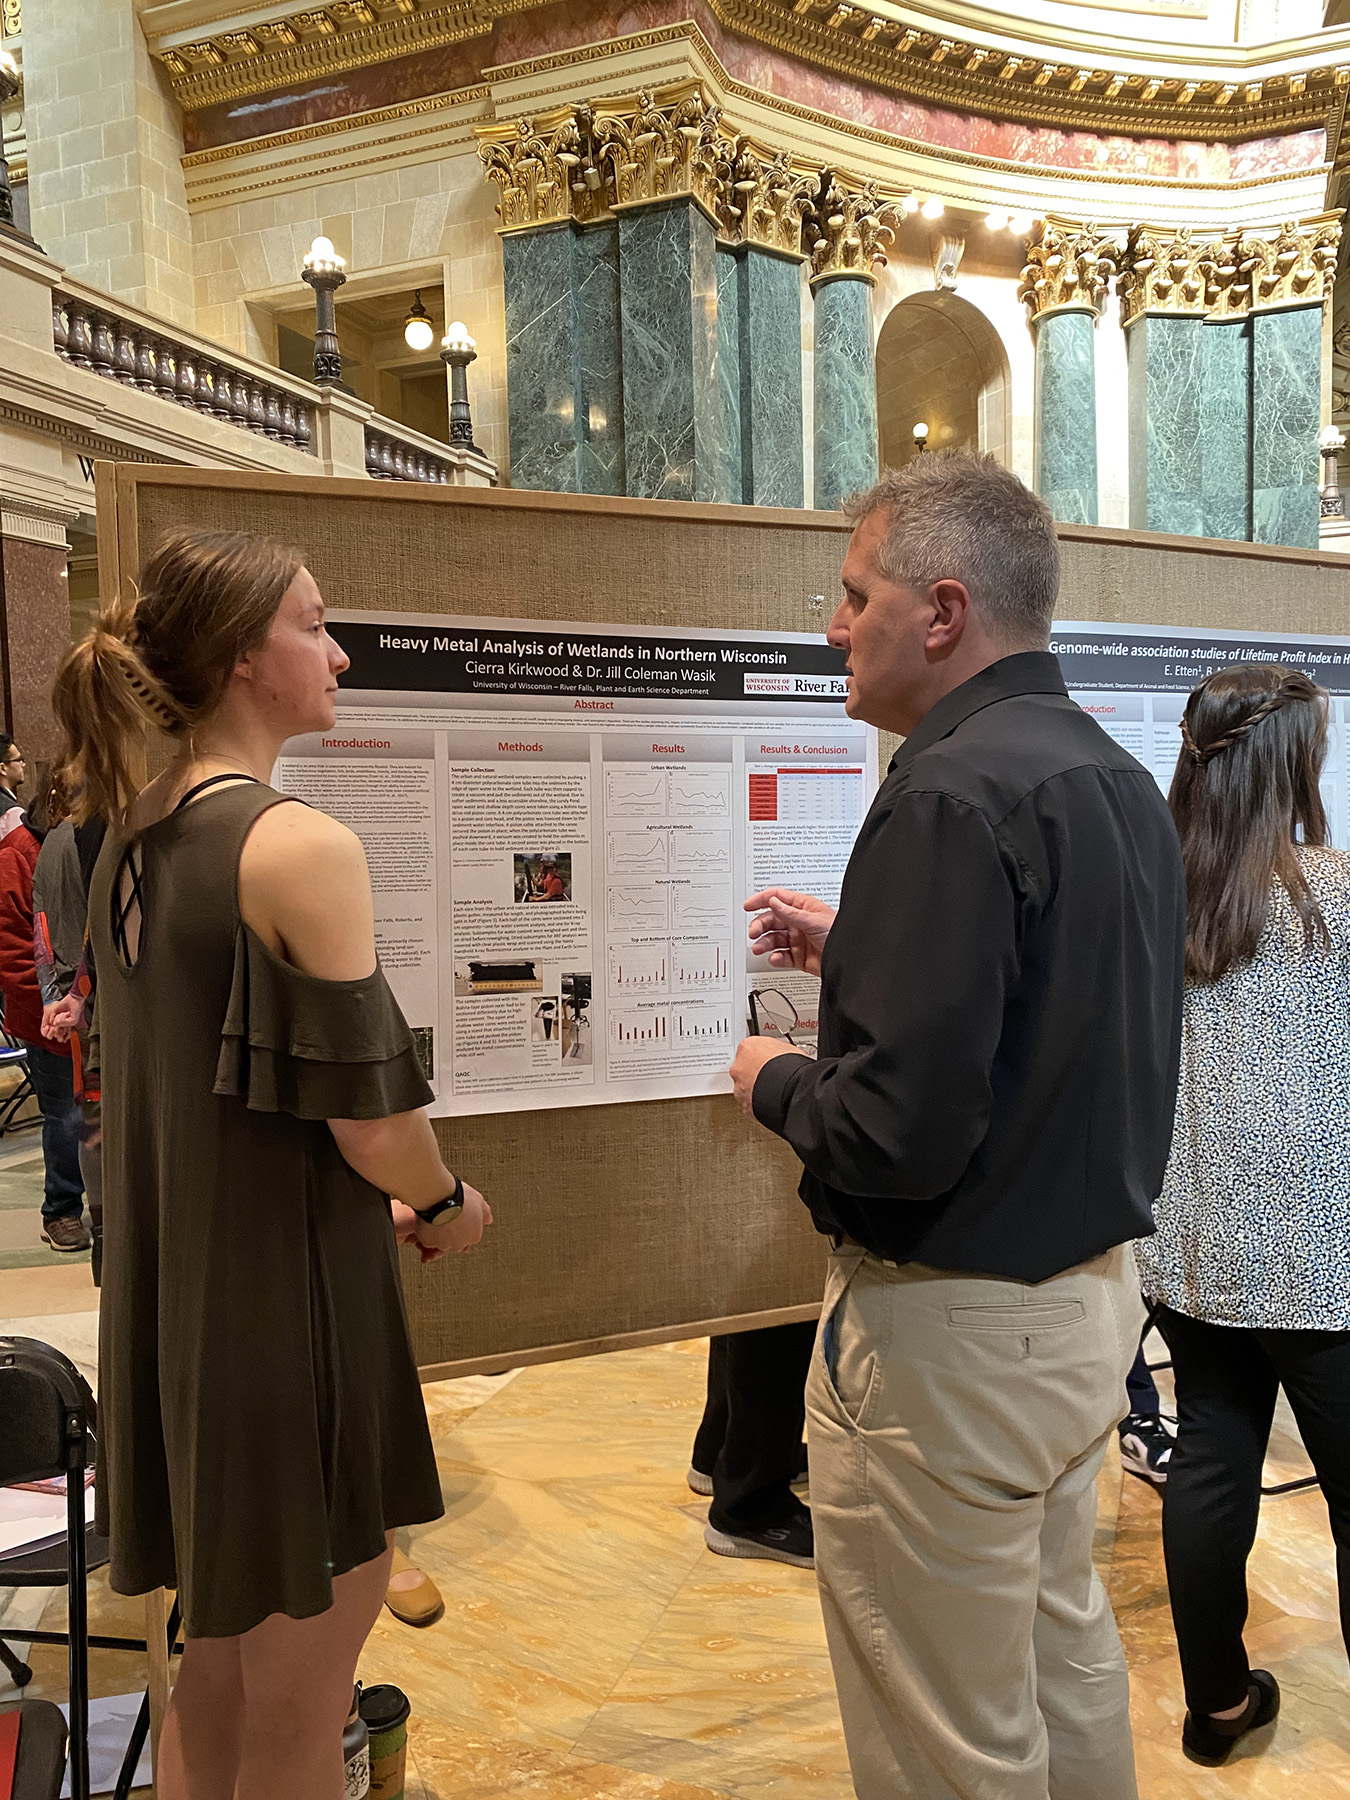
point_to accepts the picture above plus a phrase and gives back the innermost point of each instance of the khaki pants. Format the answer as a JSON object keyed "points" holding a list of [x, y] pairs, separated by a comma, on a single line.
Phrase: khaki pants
{"points": [[956, 1426]]}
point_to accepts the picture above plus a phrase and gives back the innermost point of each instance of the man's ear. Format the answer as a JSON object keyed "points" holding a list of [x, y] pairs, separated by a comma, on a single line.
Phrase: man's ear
{"points": [[950, 602]]}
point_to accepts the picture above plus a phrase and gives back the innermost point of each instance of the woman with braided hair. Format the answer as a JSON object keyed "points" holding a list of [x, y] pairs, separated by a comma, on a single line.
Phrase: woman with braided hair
{"points": [[262, 1428], [1248, 1266]]}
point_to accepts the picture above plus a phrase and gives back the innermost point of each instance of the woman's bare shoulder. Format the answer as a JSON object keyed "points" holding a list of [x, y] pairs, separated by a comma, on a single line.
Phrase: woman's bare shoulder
{"points": [[297, 843]]}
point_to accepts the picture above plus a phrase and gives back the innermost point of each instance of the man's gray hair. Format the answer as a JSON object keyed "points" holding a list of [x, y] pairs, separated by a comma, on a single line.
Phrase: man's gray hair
{"points": [[956, 516]]}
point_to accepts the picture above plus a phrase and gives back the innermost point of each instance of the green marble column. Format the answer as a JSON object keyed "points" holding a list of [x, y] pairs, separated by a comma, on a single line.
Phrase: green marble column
{"points": [[730, 480], [1286, 413], [845, 413], [1226, 428], [564, 384], [540, 359], [671, 397], [599, 370], [1066, 415], [1165, 424], [770, 320]]}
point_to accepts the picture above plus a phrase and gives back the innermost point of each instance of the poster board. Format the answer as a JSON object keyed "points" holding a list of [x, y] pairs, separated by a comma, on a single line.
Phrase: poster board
{"points": [[645, 1222]]}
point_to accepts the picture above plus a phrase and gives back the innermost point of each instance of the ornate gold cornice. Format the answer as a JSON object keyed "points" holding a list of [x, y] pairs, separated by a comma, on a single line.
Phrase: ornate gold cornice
{"points": [[1068, 269], [848, 227], [1164, 273], [583, 162], [1221, 101]]}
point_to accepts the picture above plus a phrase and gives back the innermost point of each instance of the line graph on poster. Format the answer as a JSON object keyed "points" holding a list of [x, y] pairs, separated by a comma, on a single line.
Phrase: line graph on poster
{"points": [[634, 908], [635, 793], [700, 793], [702, 852], [696, 906], [638, 852]]}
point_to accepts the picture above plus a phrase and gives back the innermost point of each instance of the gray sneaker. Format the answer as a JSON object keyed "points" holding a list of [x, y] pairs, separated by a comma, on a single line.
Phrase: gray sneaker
{"points": [[67, 1233]]}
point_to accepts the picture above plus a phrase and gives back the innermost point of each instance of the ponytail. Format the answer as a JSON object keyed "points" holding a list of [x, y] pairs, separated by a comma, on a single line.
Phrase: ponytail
{"points": [[164, 659]]}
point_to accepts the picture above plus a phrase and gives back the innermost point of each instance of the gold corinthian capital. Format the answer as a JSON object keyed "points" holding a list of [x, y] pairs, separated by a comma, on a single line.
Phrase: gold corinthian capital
{"points": [[1068, 269], [847, 227]]}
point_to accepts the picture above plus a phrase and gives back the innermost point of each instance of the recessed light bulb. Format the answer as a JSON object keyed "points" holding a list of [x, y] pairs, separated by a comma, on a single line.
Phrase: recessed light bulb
{"points": [[996, 221], [932, 209]]}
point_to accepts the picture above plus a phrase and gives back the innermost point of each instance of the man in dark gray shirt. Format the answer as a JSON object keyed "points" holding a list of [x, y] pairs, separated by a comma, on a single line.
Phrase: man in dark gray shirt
{"points": [[984, 1132]]}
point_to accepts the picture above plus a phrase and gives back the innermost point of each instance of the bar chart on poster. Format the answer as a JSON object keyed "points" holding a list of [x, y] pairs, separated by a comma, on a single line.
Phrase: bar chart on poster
{"points": [[562, 825], [1135, 680]]}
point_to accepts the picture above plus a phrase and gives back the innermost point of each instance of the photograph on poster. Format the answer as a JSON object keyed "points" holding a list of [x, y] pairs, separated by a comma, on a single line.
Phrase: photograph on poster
{"points": [[543, 875], [589, 806]]}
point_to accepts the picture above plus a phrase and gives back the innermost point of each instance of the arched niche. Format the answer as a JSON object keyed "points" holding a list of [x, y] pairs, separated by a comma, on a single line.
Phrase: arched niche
{"points": [[941, 362]]}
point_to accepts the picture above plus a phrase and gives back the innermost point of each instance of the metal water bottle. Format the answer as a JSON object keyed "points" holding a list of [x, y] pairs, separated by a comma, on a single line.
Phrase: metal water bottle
{"points": [[356, 1752]]}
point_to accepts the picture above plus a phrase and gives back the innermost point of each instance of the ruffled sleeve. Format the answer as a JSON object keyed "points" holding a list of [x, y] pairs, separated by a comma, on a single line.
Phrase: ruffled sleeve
{"points": [[316, 1049]]}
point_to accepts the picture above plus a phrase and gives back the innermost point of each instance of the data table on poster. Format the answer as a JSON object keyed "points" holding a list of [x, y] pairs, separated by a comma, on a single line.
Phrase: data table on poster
{"points": [[562, 824]]}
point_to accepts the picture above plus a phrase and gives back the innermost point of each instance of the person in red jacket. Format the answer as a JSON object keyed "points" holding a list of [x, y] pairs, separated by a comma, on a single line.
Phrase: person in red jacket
{"points": [[49, 1062]]}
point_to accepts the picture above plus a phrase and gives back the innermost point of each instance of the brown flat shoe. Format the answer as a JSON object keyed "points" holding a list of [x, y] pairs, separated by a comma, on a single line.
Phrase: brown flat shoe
{"points": [[414, 1602]]}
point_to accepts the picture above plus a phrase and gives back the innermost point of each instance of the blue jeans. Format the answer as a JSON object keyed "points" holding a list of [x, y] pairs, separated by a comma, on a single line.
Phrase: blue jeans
{"points": [[54, 1084]]}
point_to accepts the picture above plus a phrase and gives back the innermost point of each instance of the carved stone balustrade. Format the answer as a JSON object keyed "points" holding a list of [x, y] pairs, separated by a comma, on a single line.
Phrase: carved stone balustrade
{"points": [[121, 349]]}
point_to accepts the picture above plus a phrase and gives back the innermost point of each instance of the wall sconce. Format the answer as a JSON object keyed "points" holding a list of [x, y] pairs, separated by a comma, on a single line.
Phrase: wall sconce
{"points": [[323, 270], [418, 333], [920, 438]]}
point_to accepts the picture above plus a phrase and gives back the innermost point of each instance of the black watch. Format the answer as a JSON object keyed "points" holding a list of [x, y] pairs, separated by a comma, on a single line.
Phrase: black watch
{"points": [[451, 1202]]}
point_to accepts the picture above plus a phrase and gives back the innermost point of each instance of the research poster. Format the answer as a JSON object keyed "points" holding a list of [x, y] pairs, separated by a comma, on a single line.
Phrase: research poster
{"points": [[562, 823], [1135, 679]]}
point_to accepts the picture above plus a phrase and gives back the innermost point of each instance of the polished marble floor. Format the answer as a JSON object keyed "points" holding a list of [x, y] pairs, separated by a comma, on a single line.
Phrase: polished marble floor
{"points": [[591, 1646]]}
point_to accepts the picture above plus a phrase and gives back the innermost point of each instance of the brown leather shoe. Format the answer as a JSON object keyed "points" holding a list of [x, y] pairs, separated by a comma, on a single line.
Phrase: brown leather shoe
{"points": [[66, 1233], [416, 1602]]}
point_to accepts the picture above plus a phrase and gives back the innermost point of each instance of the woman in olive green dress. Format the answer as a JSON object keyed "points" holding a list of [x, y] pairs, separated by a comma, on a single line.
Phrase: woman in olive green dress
{"points": [[262, 1430]]}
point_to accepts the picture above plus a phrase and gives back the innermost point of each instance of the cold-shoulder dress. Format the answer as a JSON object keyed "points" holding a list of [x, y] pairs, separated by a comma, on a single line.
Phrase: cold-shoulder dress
{"points": [[261, 1425]]}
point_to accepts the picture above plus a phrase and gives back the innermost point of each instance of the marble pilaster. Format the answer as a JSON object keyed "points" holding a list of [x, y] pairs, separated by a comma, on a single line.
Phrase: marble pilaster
{"points": [[845, 421], [599, 371], [564, 378], [1226, 427], [770, 318], [1286, 400], [541, 358], [671, 398], [730, 479], [35, 616], [1166, 439], [1066, 415]]}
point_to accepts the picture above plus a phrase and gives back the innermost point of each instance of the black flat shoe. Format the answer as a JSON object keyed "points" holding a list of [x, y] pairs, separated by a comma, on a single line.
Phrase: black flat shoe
{"points": [[1210, 1741]]}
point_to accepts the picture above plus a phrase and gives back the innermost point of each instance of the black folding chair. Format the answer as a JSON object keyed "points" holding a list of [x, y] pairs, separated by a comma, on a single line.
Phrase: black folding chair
{"points": [[47, 1423], [14, 1058]]}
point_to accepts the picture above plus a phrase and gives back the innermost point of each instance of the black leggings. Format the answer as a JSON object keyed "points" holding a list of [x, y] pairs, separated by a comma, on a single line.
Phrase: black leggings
{"points": [[1227, 1378]]}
